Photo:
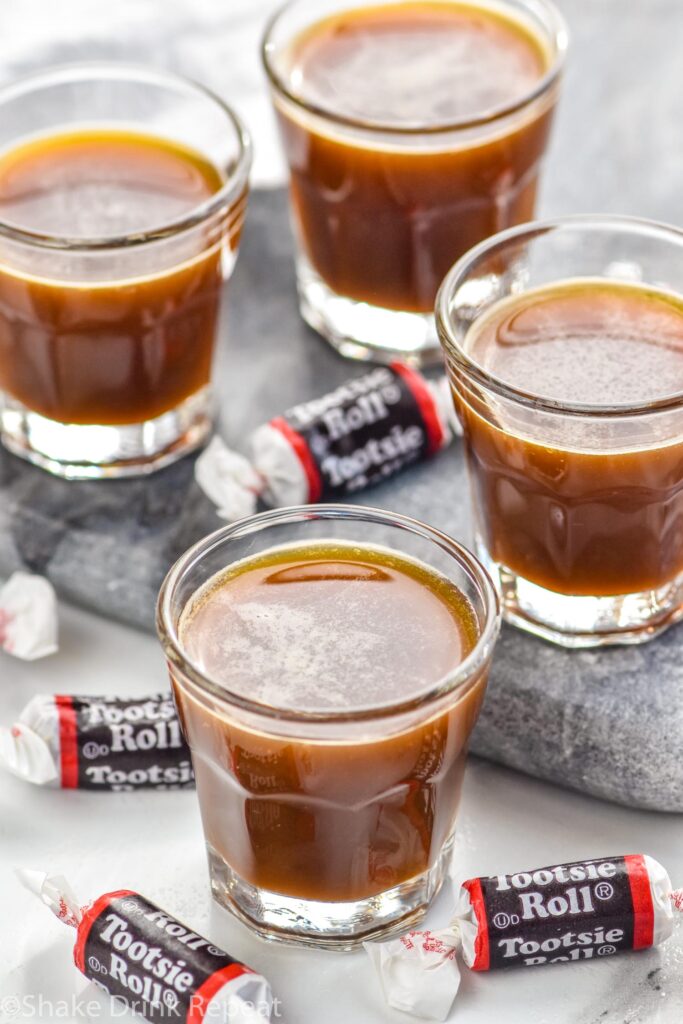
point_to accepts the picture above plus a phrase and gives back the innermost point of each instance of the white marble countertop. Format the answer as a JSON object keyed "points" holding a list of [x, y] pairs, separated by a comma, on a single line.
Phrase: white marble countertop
{"points": [[152, 842], [617, 148]]}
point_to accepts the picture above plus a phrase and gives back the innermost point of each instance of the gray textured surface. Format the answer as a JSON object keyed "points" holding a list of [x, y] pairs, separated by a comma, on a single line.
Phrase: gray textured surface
{"points": [[609, 723]]}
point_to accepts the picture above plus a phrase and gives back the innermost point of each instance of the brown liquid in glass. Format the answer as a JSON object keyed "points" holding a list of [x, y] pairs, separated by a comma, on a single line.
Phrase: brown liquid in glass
{"points": [[329, 628], [568, 516], [92, 351], [383, 218]]}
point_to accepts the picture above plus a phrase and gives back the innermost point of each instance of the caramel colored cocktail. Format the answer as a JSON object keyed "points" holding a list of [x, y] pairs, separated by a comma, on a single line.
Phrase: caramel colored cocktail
{"points": [[412, 131], [343, 803], [122, 197], [569, 389]]}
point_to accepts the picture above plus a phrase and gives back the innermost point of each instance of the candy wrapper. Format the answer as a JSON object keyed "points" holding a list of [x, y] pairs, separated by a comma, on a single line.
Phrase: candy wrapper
{"points": [[419, 972], [104, 743], [364, 431], [28, 617], [566, 913], [156, 965]]}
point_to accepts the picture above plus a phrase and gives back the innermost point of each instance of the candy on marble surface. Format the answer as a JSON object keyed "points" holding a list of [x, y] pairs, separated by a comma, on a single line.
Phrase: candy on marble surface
{"points": [[584, 910], [156, 965], [101, 743]]}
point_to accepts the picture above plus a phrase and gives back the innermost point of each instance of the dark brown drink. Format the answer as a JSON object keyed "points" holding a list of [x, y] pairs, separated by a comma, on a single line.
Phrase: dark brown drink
{"points": [[571, 514], [399, 155], [316, 629], [105, 352]]}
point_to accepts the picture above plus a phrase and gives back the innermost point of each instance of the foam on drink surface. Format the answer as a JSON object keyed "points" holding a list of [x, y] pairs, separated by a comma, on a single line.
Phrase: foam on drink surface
{"points": [[586, 342], [328, 627], [100, 183], [415, 63]]}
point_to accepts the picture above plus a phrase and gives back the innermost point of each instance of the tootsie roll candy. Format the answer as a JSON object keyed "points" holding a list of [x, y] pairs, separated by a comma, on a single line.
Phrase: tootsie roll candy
{"points": [[366, 430], [584, 910], [158, 966], [109, 743]]}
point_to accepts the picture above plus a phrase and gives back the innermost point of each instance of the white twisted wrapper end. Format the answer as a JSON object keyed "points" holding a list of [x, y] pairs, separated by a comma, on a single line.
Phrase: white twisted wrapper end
{"points": [[28, 617], [663, 900], [284, 478], [419, 971], [55, 892], [25, 748], [228, 480]]}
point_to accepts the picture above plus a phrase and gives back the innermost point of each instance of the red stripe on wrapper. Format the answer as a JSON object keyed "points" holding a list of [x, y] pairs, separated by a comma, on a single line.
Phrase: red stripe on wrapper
{"points": [[68, 745], [641, 896], [89, 917], [301, 450], [426, 404], [481, 943], [205, 993]]}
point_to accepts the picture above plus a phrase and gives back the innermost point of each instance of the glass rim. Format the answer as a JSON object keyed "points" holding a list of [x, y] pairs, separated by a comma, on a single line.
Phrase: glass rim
{"points": [[458, 358], [463, 673], [558, 33], [77, 71]]}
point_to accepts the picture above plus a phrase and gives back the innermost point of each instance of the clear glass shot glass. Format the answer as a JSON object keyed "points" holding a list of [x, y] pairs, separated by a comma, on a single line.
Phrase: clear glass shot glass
{"points": [[106, 337], [352, 811], [381, 211], [578, 507]]}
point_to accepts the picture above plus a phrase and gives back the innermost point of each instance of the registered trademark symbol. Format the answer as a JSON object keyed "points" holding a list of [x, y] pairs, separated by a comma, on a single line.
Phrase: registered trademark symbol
{"points": [[606, 950], [604, 891]]}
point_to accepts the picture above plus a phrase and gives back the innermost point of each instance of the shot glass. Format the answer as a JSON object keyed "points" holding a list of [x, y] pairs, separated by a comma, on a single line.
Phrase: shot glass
{"points": [[107, 336], [578, 504], [381, 210], [328, 826]]}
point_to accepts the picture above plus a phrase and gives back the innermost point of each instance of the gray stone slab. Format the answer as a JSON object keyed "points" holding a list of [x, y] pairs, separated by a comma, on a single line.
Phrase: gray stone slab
{"points": [[608, 723]]}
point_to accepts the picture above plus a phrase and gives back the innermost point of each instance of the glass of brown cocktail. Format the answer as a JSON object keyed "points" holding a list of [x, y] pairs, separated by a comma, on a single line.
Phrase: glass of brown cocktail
{"points": [[412, 131], [328, 664], [122, 197], [564, 345]]}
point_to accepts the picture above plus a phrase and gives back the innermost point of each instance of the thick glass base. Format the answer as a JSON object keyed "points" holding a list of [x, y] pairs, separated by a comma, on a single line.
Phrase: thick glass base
{"points": [[585, 621], [326, 925], [359, 330], [83, 452]]}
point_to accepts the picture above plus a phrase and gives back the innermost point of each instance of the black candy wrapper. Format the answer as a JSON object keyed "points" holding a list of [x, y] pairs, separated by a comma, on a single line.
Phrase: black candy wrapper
{"points": [[139, 953], [99, 743], [561, 913], [364, 431], [325, 449], [160, 968]]}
